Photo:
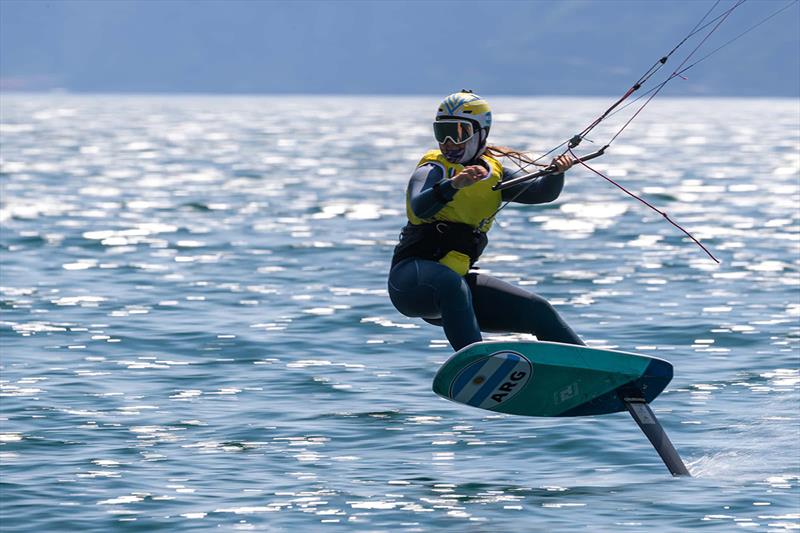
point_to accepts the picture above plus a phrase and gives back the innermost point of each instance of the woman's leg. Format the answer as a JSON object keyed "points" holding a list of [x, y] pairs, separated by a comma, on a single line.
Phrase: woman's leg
{"points": [[429, 290], [502, 307]]}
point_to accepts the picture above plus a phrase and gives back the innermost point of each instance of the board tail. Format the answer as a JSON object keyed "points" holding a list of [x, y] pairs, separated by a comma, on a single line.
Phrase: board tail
{"points": [[651, 427]]}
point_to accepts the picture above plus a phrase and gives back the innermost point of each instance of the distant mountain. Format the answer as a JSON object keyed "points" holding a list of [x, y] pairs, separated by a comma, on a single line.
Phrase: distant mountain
{"points": [[569, 47]]}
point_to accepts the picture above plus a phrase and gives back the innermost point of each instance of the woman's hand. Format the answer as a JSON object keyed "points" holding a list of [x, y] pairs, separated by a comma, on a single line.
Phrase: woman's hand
{"points": [[562, 163], [469, 176]]}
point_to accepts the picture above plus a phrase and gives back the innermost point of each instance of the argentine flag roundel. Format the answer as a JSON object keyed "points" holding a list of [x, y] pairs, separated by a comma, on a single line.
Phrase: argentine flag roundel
{"points": [[491, 380]]}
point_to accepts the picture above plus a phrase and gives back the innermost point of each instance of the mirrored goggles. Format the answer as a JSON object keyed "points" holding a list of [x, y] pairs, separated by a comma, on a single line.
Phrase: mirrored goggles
{"points": [[458, 131]]}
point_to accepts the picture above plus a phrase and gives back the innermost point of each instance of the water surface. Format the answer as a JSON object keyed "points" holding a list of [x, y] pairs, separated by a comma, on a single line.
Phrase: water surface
{"points": [[196, 332]]}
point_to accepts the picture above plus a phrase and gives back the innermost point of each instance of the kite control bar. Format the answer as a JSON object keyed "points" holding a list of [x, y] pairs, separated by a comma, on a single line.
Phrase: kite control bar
{"points": [[544, 172]]}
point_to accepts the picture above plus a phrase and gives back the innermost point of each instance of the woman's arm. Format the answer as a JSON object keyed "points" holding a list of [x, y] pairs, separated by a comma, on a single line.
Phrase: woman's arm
{"points": [[540, 190], [429, 191], [537, 191]]}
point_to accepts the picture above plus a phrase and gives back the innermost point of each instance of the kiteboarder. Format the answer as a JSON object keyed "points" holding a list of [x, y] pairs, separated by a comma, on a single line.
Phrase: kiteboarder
{"points": [[451, 204]]}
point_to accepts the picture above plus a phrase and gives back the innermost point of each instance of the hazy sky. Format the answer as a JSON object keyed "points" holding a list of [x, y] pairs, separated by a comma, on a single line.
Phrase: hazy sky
{"points": [[389, 47]]}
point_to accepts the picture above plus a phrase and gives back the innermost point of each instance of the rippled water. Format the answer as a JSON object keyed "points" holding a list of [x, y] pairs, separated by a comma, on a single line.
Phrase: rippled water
{"points": [[196, 331]]}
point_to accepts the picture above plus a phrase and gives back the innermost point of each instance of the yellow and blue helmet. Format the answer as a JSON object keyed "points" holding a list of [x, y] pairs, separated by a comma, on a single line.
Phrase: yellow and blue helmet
{"points": [[464, 118], [466, 105]]}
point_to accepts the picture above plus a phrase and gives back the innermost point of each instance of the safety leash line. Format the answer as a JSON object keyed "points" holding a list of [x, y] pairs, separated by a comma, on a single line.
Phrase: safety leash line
{"points": [[648, 204]]}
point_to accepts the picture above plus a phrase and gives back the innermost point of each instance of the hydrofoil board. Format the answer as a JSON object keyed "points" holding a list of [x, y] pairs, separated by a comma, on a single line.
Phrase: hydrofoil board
{"points": [[533, 378]]}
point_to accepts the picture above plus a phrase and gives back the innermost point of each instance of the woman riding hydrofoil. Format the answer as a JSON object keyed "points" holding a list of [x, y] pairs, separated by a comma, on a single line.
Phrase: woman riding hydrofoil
{"points": [[451, 204]]}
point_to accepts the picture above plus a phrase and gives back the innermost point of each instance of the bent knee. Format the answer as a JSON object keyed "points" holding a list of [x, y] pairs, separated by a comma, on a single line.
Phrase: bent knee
{"points": [[539, 307], [450, 286]]}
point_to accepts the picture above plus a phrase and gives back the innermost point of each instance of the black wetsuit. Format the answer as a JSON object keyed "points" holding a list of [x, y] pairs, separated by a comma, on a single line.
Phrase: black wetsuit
{"points": [[467, 305]]}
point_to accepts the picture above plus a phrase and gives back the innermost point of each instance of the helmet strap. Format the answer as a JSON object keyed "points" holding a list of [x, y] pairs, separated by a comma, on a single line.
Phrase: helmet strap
{"points": [[483, 137], [473, 150]]}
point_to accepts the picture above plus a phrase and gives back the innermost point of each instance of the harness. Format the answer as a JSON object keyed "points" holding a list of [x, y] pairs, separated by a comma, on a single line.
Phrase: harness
{"points": [[434, 240]]}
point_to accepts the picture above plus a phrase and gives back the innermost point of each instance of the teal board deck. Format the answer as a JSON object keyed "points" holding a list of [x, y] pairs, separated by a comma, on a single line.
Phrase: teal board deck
{"points": [[549, 379]]}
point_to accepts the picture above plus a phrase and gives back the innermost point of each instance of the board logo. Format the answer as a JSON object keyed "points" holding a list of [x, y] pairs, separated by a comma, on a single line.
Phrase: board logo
{"points": [[566, 394], [491, 380]]}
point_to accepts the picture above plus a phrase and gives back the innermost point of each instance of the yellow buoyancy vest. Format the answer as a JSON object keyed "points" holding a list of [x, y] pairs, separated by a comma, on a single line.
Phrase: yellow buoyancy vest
{"points": [[470, 205]]}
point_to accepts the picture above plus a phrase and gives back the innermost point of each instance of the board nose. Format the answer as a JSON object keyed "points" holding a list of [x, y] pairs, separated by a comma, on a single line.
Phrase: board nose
{"points": [[439, 386]]}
